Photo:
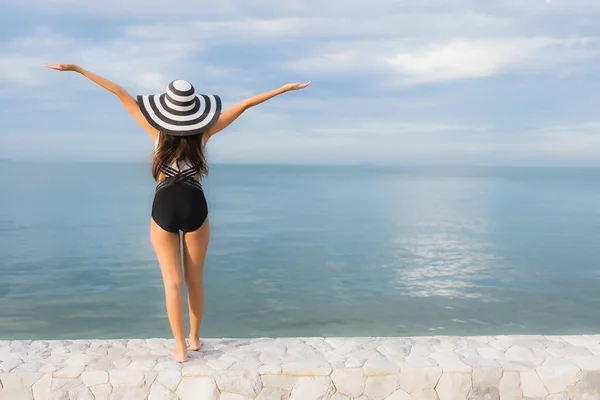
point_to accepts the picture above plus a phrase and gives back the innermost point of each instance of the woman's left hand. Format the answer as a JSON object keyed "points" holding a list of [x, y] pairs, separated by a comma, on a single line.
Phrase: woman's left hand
{"points": [[62, 67]]}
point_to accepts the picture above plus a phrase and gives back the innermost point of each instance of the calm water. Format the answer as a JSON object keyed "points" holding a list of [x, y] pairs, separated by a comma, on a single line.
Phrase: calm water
{"points": [[304, 251]]}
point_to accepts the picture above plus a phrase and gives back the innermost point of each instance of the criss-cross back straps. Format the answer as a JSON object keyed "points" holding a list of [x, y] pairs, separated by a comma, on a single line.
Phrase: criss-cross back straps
{"points": [[186, 177]]}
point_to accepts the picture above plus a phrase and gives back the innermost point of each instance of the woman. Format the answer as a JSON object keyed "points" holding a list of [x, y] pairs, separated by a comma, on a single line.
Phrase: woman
{"points": [[180, 123]]}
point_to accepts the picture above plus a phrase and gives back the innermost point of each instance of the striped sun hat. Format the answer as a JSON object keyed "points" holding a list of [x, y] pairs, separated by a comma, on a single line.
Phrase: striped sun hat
{"points": [[180, 111]]}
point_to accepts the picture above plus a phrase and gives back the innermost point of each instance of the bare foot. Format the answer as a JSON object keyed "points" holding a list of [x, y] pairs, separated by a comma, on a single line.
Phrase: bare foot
{"points": [[179, 356], [195, 344]]}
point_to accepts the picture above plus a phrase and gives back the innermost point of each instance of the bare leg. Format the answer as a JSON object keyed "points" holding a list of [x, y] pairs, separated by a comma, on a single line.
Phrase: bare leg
{"points": [[167, 248], [195, 245]]}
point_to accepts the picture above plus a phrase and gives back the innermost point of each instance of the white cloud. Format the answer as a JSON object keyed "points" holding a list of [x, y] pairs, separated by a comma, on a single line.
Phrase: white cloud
{"points": [[140, 64], [474, 59], [445, 61]]}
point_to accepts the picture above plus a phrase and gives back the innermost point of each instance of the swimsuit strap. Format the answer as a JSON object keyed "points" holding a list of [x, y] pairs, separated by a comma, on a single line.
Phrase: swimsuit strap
{"points": [[185, 176]]}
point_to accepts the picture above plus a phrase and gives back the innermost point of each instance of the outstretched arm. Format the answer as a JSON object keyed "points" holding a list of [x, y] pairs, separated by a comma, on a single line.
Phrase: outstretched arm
{"points": [[231, 114], [127, 100]]}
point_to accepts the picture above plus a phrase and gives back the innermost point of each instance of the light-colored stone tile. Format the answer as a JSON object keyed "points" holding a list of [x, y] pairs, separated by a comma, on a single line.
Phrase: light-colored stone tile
{"points": [[454, 386], [168, 366], [484, 394], [352, 362], [130, 393], [19, 380], [81, 393], [582, 341], [169, 379], [486, 377], [357, 357], [557, 378], [121, 363], [569, 363], [314, 388], [190, 387], [417, 379], [96, 351], [420, 349], [335, 342], [149, 378], [134, 343], [60, 351], [399, 394], [59, 395], [523, 354], [587, 388], [501, 344], [305, 368], [445, 344], [100, 365], [69, 372], [569, 351], [160, 352], [532, 385], [269, 369], [451, 363], [123, 378], [101, 392], [42, 388], [394, 350], [219, 365], [265, 358], [197, 369], [93, 378], [13, 394], [380, 366], [510, 386], [559, 396], [419, 361], [142, 364], [380, 387], [339, 396], [516, 366], [349, 382], [284, 382], [65, 384], [27, 367], [240, 382], [469, 352], [271, 393], [481, 362], [586, 363], [159, 392], [251, 366], [233, 396], [425, 395]]}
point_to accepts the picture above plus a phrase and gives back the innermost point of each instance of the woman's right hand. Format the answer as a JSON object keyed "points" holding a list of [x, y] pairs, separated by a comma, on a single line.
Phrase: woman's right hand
{"points": [[295, 86], [63, 67]]}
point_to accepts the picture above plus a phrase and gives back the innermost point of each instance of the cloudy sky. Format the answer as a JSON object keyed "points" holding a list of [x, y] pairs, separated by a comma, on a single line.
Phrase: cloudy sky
{"points": [[394, 81]]}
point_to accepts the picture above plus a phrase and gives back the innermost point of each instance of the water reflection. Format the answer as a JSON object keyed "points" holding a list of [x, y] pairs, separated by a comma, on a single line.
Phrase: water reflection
{"points": [[445, 250], [444, 265]]}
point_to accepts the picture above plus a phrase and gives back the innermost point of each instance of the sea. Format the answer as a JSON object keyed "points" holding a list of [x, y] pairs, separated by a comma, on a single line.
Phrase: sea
{"points": [[342, 251]]}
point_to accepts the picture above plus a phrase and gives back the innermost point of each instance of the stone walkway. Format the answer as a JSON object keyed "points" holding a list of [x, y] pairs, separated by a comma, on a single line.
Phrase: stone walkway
{"points": [[423, 368]]}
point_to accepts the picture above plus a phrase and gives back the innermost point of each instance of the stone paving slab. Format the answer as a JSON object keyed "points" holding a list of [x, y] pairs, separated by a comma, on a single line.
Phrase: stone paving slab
{"points": [[423, 368]]}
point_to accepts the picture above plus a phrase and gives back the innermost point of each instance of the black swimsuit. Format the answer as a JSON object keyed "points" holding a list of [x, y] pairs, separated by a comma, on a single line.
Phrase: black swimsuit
{"points": [[179, 203]]}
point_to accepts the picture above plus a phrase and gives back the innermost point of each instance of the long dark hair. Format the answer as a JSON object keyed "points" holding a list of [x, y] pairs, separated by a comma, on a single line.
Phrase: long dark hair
{"points": [[179, 148]]}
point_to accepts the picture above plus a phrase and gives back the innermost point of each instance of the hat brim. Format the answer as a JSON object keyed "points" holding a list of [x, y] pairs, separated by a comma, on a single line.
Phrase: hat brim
{"points": [[172, 119]]}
